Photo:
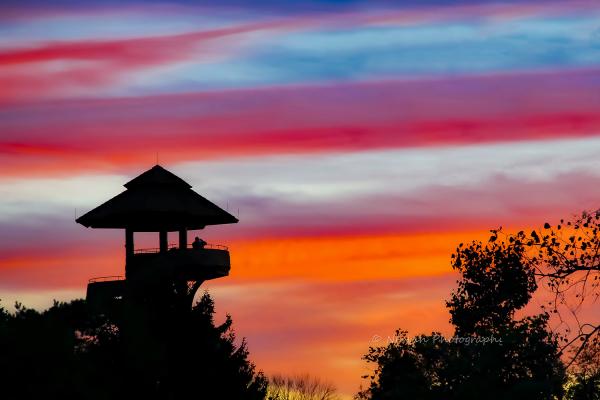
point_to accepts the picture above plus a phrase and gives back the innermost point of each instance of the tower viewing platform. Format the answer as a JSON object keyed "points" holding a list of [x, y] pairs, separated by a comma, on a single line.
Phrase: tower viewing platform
{"points": [[159, 201], [189, 264]]}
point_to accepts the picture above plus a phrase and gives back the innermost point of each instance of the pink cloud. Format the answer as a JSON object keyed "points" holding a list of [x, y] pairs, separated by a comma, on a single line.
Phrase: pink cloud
{"points": [[71, 68], [85, 66], [96, 134]]}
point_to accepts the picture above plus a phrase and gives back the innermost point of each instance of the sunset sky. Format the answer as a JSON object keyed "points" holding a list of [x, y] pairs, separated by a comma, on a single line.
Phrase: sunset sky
{"points": [[358, 142]]}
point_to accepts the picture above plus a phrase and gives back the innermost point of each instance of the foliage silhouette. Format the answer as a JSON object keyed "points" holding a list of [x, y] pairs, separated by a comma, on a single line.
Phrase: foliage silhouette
{"points": [[492, 353], [584, 383], [566, 259], [300, 387], [67, 352]]}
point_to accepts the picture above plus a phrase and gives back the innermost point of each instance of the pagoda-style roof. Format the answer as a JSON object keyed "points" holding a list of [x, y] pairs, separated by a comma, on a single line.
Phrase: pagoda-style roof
{"points": [[156, 200]]}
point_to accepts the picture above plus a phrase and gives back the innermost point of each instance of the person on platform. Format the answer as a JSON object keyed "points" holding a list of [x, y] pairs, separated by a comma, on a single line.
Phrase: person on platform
{"points": [[198, 243]]}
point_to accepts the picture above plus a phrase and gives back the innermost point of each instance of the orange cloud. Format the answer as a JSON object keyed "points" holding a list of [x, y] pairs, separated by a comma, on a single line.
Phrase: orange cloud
{"points": [[334, 321], [347, 258], [341, 258]]}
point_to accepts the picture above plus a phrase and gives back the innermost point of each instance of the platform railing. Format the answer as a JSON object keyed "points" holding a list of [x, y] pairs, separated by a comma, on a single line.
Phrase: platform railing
{"points": [[212, 246], [107, 278], [174, 246]]}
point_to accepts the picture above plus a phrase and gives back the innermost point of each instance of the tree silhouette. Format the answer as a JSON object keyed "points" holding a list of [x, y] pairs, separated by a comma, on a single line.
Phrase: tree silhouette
{"points": [[496, 280], [300, 387], [38, 354], [67, 352], [492, 353], [584, 382], [566, 258]]}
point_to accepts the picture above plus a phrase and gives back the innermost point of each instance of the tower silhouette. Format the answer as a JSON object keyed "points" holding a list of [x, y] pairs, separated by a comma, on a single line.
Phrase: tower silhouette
{"points": [[158, 201]]}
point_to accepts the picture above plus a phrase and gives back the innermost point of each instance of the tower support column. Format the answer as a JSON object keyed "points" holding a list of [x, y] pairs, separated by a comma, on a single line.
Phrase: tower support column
{"points": [[183, 238], [164, 242], [129, 247]]}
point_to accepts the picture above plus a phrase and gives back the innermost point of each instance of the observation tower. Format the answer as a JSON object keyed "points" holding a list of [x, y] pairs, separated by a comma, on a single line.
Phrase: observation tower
{"points": [[159, 201]]}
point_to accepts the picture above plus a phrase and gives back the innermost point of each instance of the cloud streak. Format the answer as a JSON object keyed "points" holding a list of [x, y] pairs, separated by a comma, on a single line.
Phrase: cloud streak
{"points": [[344, 43], [56, 68], [304, 119], [404, 234]]}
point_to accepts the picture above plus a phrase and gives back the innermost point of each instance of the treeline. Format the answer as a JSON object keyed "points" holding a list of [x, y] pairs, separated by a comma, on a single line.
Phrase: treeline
{"points": [[493, 354], [68, 352]]}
